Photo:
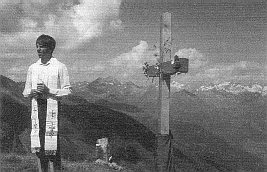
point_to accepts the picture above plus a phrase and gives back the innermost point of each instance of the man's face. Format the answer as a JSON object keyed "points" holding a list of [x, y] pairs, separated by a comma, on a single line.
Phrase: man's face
{"points": [[43, 51]]}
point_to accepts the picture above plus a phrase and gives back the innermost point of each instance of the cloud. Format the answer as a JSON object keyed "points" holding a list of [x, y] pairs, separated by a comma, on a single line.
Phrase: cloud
{"points": [[89, 17], [126, 66], [131, 58], [15, 72], [116, 25], [71, 22], [242, 70], [177, 86], [18, 69], [216, 72], [196, 59], [130, 64], [84, 66]]}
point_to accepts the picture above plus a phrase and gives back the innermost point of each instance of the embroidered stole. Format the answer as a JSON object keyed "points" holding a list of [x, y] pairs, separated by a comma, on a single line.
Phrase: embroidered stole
{"points": [[51, 129]]}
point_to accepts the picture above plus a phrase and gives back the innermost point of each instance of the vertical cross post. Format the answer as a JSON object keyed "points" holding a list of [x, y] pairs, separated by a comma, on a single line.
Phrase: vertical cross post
{"points": [[164, 70], [164, 80], [164, 94]]}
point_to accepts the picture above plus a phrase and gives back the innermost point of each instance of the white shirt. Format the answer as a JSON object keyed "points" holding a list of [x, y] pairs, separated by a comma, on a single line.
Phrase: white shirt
{"points": [[53, 74]]}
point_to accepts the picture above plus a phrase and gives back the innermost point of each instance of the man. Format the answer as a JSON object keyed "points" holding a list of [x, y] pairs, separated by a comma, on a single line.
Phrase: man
{"points": [[47, 81]]}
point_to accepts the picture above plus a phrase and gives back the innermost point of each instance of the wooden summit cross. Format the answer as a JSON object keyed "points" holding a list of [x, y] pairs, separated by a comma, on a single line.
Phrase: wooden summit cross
{"points": [[164, 70]]}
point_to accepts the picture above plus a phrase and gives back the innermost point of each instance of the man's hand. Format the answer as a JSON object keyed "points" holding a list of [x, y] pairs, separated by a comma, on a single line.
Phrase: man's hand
{"points": [[42, 88], [35, 93]]}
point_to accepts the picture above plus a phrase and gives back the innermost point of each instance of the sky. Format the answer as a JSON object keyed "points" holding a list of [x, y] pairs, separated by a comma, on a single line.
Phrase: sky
{"points": [[224, 40]]}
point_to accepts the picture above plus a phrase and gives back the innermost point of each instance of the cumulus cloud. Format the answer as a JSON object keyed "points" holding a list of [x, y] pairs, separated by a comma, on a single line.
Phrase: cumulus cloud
{"points": [[70, 22], [126, 66], [17, 69], [196, 59], [242, 70], [116, 25], [201, 70], [15, 72], [130, 64], [247, 65], [82, 66], [216, 72]]}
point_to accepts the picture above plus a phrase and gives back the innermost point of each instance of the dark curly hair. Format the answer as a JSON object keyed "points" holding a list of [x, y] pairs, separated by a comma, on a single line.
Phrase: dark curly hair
{"points": [[47, 41]]}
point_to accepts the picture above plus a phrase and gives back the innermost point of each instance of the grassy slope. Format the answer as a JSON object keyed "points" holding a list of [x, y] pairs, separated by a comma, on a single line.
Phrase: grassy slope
{"points": [[28, 163]]}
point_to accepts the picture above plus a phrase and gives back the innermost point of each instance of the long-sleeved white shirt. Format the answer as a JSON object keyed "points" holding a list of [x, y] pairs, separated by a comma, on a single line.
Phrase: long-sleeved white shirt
{"points": [[53, 74]]}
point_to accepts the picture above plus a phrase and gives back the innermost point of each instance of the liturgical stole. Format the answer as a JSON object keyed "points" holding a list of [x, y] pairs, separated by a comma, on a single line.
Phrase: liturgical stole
{"points": [[51, 129]]}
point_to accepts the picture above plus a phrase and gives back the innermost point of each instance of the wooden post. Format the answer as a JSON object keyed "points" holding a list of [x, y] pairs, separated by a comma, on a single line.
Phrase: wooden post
{"points": [[164, 93], [102, 149], [164, 80], [164, 70], [51, 166]]}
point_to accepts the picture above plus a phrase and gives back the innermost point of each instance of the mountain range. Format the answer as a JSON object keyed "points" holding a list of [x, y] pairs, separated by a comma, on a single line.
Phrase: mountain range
{"points": [[236, 88], [104, 87], [235, 112], [214, 127]]}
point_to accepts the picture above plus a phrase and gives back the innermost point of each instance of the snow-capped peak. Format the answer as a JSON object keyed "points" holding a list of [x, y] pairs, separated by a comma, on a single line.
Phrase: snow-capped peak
{"points": [[177, 85], [264, 90], [235, 88], [205, 88], [254, 88]]}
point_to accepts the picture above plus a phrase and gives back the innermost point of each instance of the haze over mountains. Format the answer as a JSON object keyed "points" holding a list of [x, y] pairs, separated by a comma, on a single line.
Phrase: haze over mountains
{"points": [[216, 127]]}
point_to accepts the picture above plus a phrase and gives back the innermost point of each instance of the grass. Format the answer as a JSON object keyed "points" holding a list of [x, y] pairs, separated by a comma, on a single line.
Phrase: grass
{"points": [[28, 163], [15, 163]]}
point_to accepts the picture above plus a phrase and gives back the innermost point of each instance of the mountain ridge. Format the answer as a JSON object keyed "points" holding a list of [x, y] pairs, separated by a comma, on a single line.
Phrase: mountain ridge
{"points": [[189, 114]]}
